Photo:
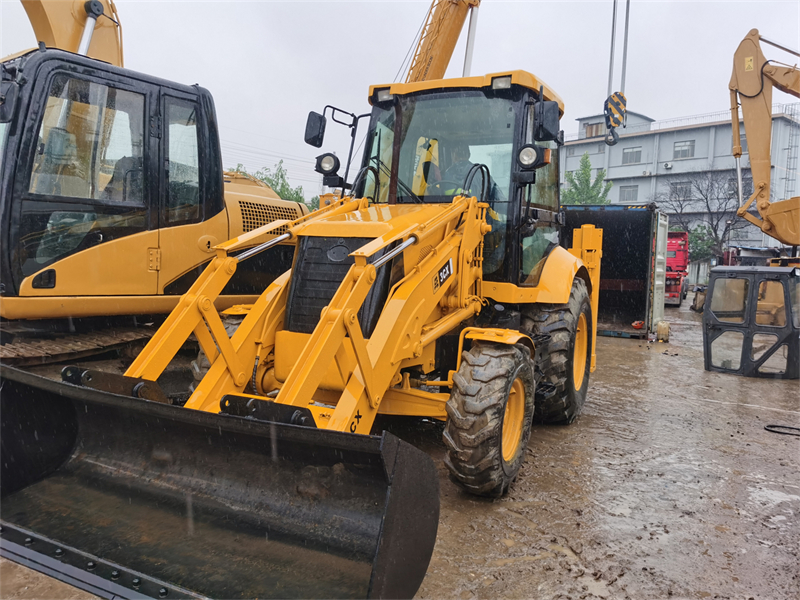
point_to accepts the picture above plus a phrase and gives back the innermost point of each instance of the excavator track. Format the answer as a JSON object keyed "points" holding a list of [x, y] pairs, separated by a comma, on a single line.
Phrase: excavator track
{"points": [[27, 349]]}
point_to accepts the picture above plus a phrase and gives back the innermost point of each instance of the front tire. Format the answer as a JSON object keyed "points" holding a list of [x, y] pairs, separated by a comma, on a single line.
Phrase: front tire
{"points": [[490, 412], [567, 359]]}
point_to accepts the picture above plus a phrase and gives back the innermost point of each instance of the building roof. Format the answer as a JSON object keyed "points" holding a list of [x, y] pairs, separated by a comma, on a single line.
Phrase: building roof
{"points": [[630, 112]]}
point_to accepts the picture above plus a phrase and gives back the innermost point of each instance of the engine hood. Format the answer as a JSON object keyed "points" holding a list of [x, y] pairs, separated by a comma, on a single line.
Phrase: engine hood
{"points": [[375, 221]]}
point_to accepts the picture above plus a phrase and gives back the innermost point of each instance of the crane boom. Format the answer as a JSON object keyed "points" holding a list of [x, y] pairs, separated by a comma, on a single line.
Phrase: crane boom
{"points": [[438, 39], [751, 88], [61, 24]]}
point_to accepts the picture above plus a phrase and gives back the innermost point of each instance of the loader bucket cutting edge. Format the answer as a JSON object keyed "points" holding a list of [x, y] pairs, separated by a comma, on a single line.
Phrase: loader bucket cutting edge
{"points": [[194, 503]]}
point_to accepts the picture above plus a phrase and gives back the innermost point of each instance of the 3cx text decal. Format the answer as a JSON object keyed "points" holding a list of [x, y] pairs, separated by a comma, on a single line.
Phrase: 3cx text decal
{"points": [[443, 275]]}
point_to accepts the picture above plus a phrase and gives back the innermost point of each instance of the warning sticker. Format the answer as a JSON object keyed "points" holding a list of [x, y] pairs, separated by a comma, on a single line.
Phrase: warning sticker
{"points": [[443, 275], [748, 63]]}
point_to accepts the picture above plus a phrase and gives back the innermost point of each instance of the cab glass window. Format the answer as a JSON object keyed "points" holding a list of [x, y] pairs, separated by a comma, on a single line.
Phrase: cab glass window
{"points": [[726, 350], [544, 192], [729, 300], [536, 247], [794, 293], [3, 135], [771, 307], [183, 177], [435, 140], [380, 159], [91, 143]]}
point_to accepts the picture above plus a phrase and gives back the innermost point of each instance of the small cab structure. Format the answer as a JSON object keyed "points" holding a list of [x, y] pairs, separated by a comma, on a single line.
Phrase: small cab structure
{"points": [[751, 325]]}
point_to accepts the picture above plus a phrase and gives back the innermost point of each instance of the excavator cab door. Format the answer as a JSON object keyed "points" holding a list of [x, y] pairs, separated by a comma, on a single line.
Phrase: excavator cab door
{"points": [[190, 216], [751, 324]]}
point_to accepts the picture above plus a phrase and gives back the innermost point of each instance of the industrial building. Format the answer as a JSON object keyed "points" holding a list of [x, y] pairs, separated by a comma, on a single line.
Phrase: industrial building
{"points": [[669, 161]]}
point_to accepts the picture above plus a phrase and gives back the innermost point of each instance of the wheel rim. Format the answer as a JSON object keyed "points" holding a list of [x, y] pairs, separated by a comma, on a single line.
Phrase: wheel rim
{"points": [[581, 348], [513, 419]]}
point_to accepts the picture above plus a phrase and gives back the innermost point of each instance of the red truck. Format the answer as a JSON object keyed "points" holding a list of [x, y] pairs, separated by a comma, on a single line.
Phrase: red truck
{"points": [[677, 267]]}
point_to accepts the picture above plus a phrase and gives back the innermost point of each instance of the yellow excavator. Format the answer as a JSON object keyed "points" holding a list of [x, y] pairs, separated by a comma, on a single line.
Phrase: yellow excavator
{"points": [[112, 192], [448, 297], [752, 314]]}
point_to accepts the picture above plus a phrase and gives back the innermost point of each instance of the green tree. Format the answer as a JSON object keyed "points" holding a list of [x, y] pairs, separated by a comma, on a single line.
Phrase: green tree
{"points": [[277, 179], [582, 190], [702, 243]]}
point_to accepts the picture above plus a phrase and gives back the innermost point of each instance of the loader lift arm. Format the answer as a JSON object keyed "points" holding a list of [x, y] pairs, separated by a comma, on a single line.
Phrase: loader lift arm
{"points": [[409, 301], [751, 88]]}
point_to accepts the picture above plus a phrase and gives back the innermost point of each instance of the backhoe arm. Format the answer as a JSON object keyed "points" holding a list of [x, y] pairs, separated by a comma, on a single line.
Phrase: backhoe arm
{"points": [[751, 88]]}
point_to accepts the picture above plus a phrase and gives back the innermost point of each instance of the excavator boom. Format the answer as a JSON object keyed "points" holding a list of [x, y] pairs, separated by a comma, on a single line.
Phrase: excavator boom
{"points": [[751, 87], [62, 24]]}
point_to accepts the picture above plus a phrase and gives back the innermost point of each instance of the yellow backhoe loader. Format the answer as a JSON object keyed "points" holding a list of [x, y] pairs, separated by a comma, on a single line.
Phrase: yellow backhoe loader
{"points": [[751, 315], [112, 192], [455, 302]]}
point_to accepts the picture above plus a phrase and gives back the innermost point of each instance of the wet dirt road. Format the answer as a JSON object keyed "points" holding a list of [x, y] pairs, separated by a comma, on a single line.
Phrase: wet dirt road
{"points": [[666, 486]]}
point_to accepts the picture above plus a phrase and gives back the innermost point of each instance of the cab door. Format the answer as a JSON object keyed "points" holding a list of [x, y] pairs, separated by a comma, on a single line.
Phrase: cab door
{"points": [[84, 189], [192, 219]]}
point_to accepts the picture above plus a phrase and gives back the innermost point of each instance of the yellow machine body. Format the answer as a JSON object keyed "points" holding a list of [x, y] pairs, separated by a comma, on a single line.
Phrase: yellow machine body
{"points": [[133, 273], [342, 377]]}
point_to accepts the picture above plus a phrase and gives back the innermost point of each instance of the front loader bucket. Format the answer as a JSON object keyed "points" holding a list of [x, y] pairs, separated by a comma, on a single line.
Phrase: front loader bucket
{"points": [[130, 498]]}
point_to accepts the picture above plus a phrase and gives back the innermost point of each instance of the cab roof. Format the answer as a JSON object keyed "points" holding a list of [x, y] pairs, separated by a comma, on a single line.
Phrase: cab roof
{"points": [[522, 78]]}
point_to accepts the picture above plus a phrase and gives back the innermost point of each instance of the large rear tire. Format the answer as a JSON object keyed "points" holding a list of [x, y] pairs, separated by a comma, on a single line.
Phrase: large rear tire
{"points": [[490, 413], [567, 359]]}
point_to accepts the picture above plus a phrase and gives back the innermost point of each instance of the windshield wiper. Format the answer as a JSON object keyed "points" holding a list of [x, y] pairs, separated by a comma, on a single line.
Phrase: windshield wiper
{"points": [[406, 189]]}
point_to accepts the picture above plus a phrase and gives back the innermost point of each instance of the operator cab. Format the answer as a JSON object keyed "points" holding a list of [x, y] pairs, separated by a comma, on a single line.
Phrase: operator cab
{"points": [[494, 137], [91, 154]]}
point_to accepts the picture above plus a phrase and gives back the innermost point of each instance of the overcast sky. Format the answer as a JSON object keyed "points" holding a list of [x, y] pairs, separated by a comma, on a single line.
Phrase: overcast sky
{"points": [[269, 63]]}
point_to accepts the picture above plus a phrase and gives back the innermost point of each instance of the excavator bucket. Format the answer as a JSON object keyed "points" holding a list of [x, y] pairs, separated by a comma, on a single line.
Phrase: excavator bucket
{"points": [[129, 498]]}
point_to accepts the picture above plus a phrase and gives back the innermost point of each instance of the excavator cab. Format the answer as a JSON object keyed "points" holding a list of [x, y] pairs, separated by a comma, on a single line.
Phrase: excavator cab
{"points": [[106, 171]]}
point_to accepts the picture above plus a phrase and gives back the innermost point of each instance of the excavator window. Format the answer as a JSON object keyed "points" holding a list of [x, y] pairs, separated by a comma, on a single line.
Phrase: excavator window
{"points": [[86, 180], [90, 143], [771, 307], [729, 299], [183, 174]]}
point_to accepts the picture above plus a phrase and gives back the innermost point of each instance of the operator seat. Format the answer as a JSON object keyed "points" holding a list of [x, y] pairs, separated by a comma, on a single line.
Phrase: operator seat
{"points": [[125, 184]]}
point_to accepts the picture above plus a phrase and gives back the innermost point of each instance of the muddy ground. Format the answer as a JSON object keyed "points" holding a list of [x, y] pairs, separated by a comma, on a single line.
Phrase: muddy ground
{"points": [[666, 486]]}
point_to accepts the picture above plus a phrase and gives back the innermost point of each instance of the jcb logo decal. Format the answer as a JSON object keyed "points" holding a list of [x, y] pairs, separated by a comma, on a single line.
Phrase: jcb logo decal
{"points": [[443, 275]]}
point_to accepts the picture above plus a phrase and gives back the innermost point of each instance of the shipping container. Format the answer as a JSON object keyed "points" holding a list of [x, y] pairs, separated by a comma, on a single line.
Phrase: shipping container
{"points": [[633, 266]]}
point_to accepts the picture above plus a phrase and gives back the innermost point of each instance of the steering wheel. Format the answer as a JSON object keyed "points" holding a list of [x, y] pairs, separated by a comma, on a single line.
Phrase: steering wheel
{"points": [[439, 185]]}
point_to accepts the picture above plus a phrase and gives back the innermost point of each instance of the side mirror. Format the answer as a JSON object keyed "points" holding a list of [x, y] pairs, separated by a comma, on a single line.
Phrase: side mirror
{"points": [[546, 127], [9, 91], [315, 129]]}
